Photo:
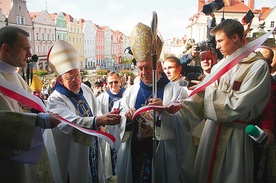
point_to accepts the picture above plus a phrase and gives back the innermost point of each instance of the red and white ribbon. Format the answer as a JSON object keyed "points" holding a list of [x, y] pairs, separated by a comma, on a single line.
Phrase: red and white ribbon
{"points": [[13, 91], [173, 106], [230, 62], [225, 66]]}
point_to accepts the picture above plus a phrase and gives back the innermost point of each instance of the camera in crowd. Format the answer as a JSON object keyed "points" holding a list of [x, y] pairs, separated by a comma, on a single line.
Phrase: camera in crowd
{"points": [[212, 7], [203, 46], [34, 58]]}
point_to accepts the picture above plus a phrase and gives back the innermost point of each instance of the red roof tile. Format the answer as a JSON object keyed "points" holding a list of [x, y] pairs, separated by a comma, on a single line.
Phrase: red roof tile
{"points": [[264, 13]]}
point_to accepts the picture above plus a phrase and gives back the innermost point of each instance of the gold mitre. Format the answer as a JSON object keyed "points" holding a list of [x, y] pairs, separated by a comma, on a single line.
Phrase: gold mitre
{"points": [[140, 40]]}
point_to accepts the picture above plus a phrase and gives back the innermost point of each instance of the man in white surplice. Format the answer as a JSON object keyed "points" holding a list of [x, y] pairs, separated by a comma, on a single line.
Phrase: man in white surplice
{"points": [[107, 100], [225, 151], [75, 156], [135, 154], [23, 157]]}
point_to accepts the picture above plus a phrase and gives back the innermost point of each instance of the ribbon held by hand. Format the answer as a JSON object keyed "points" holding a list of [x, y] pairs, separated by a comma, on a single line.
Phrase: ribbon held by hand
{"points": [[13, 91], [172, 108], [227, 64]]}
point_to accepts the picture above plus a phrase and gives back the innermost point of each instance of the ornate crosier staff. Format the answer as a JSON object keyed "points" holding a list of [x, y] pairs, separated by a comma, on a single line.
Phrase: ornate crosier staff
{"points": [[154, 86]]}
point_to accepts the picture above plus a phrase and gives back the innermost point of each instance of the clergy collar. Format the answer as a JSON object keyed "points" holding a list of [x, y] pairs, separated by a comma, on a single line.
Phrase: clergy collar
{"points": [[163, 81], [7, 68], [119, 94], [63, 90]]}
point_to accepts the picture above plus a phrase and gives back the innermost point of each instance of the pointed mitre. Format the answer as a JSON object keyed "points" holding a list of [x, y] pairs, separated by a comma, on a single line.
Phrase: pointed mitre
{"points": [[141, 45], [36, 83], [63, 57]]}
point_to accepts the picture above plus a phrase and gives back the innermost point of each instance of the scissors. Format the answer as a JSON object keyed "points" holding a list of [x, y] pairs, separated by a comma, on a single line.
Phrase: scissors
{"points": [[119, 109]]}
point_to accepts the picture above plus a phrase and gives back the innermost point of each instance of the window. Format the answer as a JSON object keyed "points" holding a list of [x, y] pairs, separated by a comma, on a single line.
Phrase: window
{"points": [[37, 36], [272, 24], [20, 20], [19, 7], [42, 37]]}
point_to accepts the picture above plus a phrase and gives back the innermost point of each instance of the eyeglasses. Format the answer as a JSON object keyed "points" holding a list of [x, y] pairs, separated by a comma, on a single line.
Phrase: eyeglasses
{"points": [[115, 82], [71, 77]]}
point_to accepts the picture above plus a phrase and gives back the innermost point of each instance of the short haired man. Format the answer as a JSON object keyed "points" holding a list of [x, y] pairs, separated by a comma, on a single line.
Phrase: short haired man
{"points": [[172, 68], [107, 100], [22, 152], [229, 104]]}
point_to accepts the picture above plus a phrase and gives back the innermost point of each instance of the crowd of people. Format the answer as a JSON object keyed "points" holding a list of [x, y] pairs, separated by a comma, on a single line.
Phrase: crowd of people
{"points": [[203, 139]]}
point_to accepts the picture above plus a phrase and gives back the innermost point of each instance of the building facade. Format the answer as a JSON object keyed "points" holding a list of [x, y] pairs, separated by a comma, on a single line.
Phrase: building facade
{"points": [[44, 32], [89, 44]]}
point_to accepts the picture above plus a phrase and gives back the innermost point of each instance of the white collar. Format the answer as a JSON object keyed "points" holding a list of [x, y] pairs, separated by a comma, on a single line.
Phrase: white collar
{"points": [[7, 68]]}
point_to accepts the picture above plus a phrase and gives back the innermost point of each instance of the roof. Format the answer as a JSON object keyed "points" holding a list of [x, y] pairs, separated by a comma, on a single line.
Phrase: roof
{"points": [[68, 18], [265, 11], [53, 16], [33, 15]]}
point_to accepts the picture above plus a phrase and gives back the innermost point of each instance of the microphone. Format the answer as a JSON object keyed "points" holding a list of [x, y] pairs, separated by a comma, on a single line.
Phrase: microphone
{"points": [[256, 134], [183, 82], [259, 136]]}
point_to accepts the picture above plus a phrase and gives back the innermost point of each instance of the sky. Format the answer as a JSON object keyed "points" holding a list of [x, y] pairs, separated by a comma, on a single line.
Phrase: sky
{"points": [[173, 15]]}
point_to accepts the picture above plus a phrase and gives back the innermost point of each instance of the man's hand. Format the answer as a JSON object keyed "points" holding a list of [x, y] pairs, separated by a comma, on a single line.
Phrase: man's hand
{"points": [[196, 82], [130, 113], [270, 140], [194, 51], [110, 118], [24, 106], [54, 120], [47, 120], [156, 102]]}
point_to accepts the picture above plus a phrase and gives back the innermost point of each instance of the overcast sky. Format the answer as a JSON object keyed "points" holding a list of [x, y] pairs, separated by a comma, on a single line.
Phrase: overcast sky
{"points": [[173, 15]]}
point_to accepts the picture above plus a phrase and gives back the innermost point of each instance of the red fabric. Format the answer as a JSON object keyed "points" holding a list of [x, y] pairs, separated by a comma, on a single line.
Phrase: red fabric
{"points": [[214, 154], [268, 116]]}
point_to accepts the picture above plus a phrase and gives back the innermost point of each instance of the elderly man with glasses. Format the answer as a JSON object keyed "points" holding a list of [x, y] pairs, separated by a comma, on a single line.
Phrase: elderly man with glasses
{"points": [[75, 156]]}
